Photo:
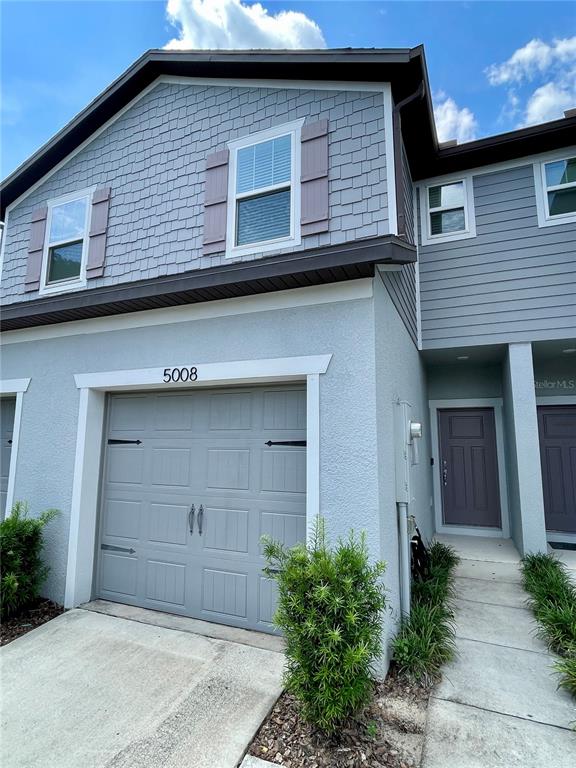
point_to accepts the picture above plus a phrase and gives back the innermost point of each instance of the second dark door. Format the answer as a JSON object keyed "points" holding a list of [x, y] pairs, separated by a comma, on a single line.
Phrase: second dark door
{"points": [[469, 467]]}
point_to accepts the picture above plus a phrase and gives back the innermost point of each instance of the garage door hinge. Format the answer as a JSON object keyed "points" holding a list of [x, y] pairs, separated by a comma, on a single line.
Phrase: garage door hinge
{"points": [[117, 549], [286, 442], [124, 442]]}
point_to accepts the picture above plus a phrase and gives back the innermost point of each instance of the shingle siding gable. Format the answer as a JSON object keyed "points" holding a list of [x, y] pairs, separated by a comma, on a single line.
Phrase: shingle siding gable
{"points": [[154, 155]]}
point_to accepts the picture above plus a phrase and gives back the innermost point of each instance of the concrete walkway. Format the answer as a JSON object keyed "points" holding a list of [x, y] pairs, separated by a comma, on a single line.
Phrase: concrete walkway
{"points": [[497, 705], [100, 691]]}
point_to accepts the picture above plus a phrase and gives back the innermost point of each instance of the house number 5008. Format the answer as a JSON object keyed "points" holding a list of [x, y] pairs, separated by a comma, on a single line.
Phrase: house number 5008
{"points": [[180, 374]]}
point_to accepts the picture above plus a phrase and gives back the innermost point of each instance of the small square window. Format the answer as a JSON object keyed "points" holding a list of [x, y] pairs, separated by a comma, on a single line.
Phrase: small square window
{"points": [[448, 212], [65, 241], [560, 189]]}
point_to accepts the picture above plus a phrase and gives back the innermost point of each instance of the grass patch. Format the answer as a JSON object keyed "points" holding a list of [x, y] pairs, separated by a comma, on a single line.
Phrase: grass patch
{"points": [[425, 641], [553, 602]]}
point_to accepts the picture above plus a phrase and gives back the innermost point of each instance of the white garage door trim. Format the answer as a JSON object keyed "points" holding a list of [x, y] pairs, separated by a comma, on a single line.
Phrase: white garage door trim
{"points": [[93, 388], [15, 387]]}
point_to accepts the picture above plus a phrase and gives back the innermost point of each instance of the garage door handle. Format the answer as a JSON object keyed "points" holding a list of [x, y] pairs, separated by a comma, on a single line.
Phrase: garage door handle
{"points": [[200, 518], [191, 518]]}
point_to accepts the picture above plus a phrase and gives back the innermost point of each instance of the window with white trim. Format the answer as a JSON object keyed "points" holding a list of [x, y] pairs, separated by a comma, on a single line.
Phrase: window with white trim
{"points": [[448, 211], [265, 191], [559, 181], [66, 240]]}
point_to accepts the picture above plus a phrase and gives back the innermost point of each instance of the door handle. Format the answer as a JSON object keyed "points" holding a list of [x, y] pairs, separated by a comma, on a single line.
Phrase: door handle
{"points": [[200, 518], [191, 514], [445, 476]]}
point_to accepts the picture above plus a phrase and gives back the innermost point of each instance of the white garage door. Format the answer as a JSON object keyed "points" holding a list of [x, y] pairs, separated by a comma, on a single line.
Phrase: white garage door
{"points": [[191, 482]]}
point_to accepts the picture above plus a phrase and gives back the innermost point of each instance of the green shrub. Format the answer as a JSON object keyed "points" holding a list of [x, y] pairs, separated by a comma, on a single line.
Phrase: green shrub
{"points": [[553, 601], [425, 641], [22, 572], [330, 603]]}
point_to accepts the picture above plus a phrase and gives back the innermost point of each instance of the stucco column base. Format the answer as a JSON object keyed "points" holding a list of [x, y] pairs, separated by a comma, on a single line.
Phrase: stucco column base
{"points": [[527, 523]]}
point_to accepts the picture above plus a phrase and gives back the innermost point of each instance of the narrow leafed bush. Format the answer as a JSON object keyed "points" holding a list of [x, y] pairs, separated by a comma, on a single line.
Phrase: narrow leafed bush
{"points": [[425, 641], [22, 572], [330, 604], [553, 602]]}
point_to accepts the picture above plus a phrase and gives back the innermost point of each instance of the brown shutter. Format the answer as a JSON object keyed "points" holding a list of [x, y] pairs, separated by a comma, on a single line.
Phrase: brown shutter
{"points": [[36, 249], [314, 177], [215, 196], [97, 233]]}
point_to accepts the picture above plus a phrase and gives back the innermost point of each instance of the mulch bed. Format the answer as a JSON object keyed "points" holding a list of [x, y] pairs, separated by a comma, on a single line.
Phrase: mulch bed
{"points": [[36, 614], [377, 738]]}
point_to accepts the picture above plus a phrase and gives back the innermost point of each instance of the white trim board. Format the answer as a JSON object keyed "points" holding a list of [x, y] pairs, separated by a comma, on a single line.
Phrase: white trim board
{"points": [[481, 170], [350, 290], [14, 387], [391, 169], [481, 402], [90, 435]]}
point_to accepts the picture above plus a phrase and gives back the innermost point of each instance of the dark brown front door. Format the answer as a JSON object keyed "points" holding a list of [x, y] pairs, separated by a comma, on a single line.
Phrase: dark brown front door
{"points": [[469, 467], [557, 424]]}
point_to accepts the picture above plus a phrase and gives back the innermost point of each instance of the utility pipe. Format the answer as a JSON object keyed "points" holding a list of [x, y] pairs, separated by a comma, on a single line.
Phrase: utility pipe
{"points": [[404, 558]]}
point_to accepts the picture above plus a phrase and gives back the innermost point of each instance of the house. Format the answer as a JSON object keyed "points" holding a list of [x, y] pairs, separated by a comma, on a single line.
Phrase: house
{"points": [[244, 288]]}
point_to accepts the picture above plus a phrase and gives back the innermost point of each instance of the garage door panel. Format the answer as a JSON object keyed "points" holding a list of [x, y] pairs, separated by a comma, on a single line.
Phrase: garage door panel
{"points": [[225, 592], [128, 413], [225, 529], [171, 466], [284, 471], [288, 529], [125, 464], [166, 582], [173, 413], [284, 410], [230, 411], [119, 574], [228, 468], [168, 523], [122, 518], [267, 599]]}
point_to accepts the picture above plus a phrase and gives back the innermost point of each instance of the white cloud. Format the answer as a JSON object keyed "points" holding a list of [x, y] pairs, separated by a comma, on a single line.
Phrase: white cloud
{"points": [[233, 24], [549, 102], [533, 59], [452, 121], [553, 65]]}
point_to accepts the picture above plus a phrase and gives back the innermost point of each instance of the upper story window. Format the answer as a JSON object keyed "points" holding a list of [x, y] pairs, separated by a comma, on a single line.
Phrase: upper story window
{"points": [[556, 191], [66, 241], [264, 213], [447, 211]]}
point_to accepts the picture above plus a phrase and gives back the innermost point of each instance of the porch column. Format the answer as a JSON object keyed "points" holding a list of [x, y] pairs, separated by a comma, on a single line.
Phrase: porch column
{"points": [[526, 497]]}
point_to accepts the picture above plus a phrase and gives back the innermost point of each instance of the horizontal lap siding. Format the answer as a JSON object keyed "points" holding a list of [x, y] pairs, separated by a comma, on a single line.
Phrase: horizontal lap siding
{"points": [[153, 157], [401, 286], [513, 282]]}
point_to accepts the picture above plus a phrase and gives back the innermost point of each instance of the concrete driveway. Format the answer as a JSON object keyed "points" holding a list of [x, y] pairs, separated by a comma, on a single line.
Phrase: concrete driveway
{"points": [[96, 690]]}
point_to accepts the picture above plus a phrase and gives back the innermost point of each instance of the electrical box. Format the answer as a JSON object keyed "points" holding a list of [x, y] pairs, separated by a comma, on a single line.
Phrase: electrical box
{"points": [[407, 434]]}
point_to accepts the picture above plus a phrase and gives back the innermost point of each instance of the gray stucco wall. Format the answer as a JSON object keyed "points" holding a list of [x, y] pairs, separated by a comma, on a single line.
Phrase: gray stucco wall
{"points": [[464, 381], [349, 474], [153, 158], [512, 282], [400, 374], [526, 501], [555, 378]]}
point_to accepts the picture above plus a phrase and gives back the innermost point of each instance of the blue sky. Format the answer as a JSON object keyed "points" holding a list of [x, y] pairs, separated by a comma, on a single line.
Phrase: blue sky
{"points": [[493, 66]]}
